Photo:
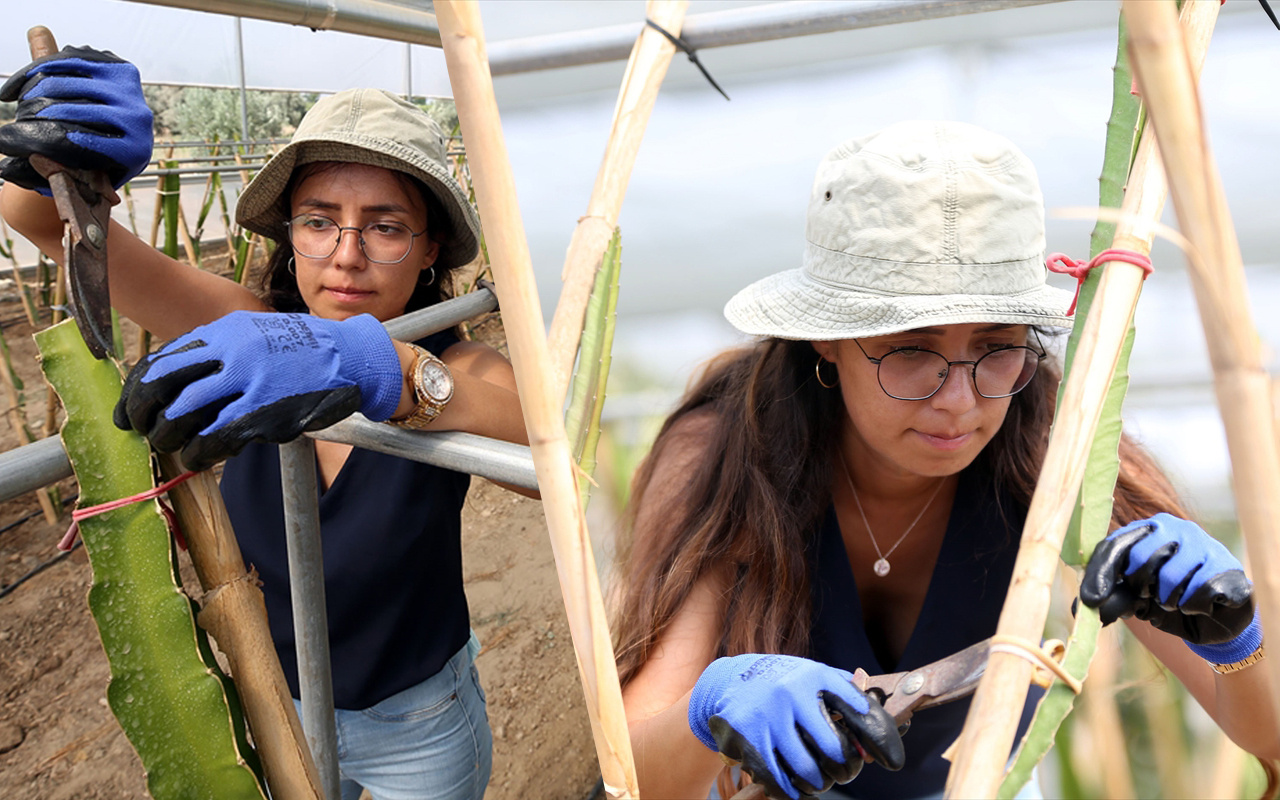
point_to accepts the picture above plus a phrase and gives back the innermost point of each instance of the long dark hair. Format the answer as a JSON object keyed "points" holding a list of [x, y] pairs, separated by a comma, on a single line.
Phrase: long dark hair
{"points": [[762, 480], [279, 286]]}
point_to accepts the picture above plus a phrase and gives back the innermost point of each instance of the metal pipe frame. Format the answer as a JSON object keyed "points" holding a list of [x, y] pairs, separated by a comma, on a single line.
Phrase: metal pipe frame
{"points": [[30, 467], [760, 23], [310, 621], [611, 43], [393, 21]]}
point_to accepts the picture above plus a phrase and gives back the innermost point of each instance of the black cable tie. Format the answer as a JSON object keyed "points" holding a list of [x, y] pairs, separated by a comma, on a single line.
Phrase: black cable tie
{"points": [[1267, 8], [681, 44]]}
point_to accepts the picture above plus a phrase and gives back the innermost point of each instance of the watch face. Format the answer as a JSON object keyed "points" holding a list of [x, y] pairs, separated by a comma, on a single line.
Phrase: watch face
{"points": [[436, 380]]}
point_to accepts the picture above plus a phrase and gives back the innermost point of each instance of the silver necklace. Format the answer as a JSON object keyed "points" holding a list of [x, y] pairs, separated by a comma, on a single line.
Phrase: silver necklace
{"points": [[881, 566]]}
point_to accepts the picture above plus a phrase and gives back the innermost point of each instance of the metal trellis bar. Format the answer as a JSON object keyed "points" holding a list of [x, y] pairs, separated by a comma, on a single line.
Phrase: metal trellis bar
{"points": [[30, 467], [735, 26]]}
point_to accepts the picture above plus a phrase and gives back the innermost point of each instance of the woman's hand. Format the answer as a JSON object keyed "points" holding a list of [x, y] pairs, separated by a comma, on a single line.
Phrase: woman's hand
{"points": [[82, 108], [259, 376], [774, 713], [1169, 572]]}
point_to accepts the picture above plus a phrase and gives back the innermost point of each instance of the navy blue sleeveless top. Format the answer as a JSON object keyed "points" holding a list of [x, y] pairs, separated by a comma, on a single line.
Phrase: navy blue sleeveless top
{"points": [[961, 607], [391, 530]]}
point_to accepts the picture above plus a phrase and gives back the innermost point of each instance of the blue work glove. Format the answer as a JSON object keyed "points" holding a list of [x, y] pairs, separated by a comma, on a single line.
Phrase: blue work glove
{"points": [[797, 726], [1169, 572], [82, 108], [259, 376]]}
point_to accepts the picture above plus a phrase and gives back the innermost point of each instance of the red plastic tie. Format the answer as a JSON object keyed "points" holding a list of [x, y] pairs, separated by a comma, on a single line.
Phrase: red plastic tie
{"points": [[1065, 265], [92, 511]]}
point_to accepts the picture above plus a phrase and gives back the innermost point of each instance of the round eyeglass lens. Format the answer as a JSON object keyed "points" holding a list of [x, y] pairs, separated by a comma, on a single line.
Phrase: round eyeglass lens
{"points": [[387, 242], [1001, 373], [912, 374]]}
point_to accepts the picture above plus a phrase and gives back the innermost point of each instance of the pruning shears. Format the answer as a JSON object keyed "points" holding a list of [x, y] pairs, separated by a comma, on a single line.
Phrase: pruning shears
{"points": [[944, 680], [904, 693], [84, 201]]}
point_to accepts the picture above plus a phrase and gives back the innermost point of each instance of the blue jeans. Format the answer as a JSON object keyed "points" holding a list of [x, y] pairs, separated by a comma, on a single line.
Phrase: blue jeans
{"points": [[428, 742]]}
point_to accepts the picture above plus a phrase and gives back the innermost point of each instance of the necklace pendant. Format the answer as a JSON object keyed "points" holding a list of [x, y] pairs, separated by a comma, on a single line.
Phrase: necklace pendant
{"points": [[881, 567]]}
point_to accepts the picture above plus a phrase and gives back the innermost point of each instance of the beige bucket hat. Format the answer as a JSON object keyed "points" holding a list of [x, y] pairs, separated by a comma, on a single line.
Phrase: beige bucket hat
{"points": [[366, 126], [922, 223]]}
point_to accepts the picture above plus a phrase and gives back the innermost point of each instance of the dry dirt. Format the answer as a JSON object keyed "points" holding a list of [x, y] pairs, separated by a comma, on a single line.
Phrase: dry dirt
{"points": [[58, 739]]}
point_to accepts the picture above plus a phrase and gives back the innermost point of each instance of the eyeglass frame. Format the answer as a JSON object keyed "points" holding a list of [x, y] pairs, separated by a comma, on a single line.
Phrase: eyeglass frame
{"points": [[337, 242], [1040, 355]]}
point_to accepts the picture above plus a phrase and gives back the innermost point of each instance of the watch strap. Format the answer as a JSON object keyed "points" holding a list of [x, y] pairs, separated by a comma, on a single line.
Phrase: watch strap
{"points": [[426, 407], [1236, 666]]}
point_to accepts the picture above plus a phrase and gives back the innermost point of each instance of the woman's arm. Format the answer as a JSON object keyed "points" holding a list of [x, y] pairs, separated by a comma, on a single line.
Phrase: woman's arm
{"points": [[1187, 598], [162, 295], [484, 400], [1239, 702], [670, 761]]}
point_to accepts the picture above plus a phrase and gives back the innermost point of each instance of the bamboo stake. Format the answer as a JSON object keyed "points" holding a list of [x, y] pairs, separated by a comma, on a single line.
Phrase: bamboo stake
{"points": [[646, 68], [158, 212], [28, 304], [52, 401], [1111, 759], [1163, 718], [985, 742], [1224, 780], [234, 613], [1217, 276], [462, 38], [16, 414], [187, 244]]}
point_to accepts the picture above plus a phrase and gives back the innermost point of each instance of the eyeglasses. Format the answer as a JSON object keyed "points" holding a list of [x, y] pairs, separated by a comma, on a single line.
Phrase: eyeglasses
{"points": [[316, 236], [914, 373]]}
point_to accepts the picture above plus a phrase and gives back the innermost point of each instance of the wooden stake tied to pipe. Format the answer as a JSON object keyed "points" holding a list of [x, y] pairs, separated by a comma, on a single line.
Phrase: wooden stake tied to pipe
{"points": [[1243, 387], [646, 68], [462, 38], [234, 612], [985, 743]]}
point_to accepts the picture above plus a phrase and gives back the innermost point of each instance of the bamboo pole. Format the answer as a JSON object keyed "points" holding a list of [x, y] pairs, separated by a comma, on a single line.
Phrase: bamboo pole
{"points": [[1224, 776], [234, 613], [15, 412], [462, 38], [158, 212], [984, 744], [52, 401], [1102, 716], [1240, 380], [185, 233], [646, 68], [28, 304]]}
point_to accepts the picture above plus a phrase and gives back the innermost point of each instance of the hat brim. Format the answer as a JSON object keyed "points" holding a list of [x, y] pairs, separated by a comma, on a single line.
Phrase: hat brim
{"points": [[791, 305], [259, 208]]}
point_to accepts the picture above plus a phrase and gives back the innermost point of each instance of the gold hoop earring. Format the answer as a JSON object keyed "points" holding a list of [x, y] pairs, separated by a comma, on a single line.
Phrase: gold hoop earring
{"points": [[817, 370]]}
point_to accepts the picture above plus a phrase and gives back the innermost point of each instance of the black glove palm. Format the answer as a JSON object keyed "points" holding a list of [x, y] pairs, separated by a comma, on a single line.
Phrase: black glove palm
{"points": [[1172, 574]]}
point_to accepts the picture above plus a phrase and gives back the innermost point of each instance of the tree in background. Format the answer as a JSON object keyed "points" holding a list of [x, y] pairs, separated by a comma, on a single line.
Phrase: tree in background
{"points": [[442, 110], [194, 112]]}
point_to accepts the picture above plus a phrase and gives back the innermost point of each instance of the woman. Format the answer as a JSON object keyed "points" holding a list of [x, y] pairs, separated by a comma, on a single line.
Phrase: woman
{"points": [[849, 492], [368, 224]]}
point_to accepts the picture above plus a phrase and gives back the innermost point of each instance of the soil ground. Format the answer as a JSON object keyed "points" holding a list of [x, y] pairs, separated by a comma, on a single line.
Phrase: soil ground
{"points": [[59, 740]]}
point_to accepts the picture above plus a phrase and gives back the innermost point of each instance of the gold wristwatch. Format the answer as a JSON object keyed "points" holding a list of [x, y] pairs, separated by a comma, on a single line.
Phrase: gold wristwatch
{"points": [[432, 389], [1236, 666]]}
